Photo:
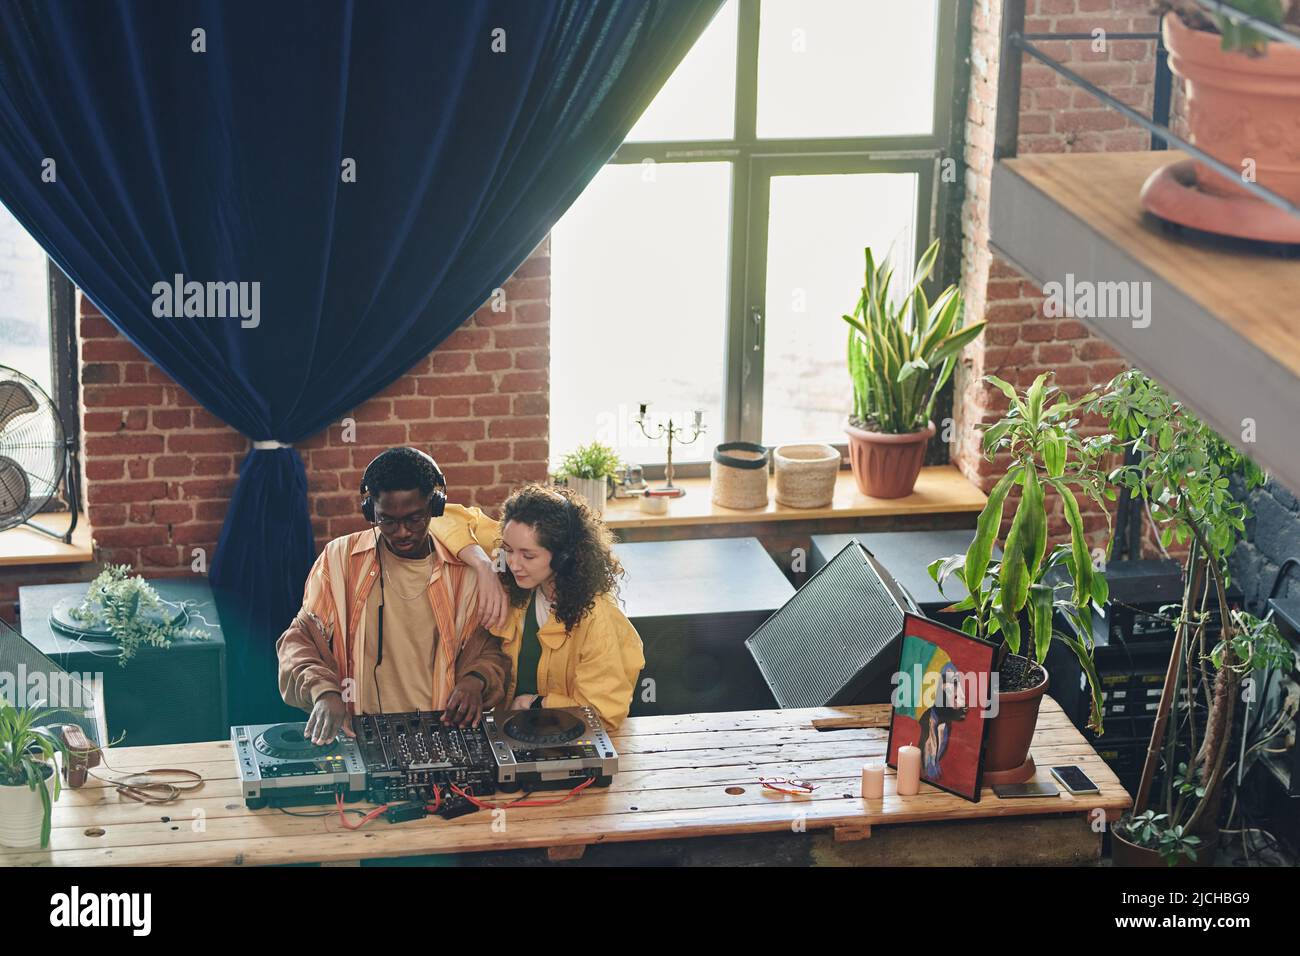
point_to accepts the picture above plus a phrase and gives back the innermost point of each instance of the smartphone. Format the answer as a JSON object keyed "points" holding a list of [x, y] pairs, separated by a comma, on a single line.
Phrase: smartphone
{"points": [[1007, 791], [1074, 780]]}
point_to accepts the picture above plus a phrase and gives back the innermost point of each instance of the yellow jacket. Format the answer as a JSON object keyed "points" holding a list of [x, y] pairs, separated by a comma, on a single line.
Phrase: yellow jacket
{"points": [[596, 664]]}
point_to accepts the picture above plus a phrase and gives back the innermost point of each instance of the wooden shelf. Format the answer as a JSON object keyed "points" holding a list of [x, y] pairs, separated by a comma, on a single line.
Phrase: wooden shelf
{"points": [[23, 546], [1224, 332], [940, 490]]}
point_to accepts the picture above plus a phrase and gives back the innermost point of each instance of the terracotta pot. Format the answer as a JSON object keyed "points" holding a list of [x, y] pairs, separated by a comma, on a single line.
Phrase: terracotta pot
{"points": [[1240, 108], [1012, 731], [886, 466], [1124, 852]]}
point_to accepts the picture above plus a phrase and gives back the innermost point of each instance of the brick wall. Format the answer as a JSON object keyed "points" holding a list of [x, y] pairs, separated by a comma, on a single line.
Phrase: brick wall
{"points": [[1019, 341], [159, 469], [1272, 536]]}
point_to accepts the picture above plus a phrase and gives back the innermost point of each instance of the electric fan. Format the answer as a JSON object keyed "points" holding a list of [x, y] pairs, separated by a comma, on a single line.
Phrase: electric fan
{"points": [[34, 456]]}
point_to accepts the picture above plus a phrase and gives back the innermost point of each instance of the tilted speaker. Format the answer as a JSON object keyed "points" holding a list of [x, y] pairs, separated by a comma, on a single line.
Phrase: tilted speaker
{"points": [[837, 640]]}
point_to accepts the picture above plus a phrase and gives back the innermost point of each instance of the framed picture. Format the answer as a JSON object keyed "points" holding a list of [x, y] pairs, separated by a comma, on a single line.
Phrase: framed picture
{"points": [[942, 691]]}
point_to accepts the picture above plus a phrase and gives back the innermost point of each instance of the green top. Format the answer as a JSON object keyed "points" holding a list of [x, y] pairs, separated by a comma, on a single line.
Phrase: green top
{"points": [[530, 651]]}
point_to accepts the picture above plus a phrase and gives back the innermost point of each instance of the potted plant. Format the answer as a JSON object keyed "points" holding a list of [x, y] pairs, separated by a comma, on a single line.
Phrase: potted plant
{"points": [[132, 612], [1184, 472], [29, 778], [899, 356], [587, 470], [1243, 93], [1015, 600]]}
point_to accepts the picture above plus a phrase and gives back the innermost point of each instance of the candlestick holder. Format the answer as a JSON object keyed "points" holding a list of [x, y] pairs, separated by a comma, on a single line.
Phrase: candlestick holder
{"points": [[669, 490]]}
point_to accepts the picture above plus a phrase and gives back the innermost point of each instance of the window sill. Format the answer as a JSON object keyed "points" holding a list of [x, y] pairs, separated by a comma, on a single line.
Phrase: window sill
{"points": [[23, 546], [939, 490]]}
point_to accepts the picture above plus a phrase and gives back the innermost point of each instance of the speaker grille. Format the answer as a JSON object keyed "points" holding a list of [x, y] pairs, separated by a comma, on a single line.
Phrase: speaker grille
{"points": [[830, 641]]}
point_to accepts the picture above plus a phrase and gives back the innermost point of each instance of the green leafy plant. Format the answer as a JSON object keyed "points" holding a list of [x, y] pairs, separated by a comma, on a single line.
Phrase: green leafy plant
{"points": [[901, 355], [131, 610], [1185, 473], [27, 756], [589, 461], [1030, 584], [1152, 830], [1237, 36]]}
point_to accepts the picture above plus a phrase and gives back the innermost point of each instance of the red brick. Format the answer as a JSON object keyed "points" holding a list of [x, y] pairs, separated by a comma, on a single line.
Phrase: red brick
{"points": [[469, 340], [456, 385], [532, 450], [122, 443], [206, 441], [172, 466], [197, 532], [532, 404], [125, 491], [524, 382], [446, 431], [517, 427], [214, 465], [492, 405], [451, 407], [533, 358], [441, 361], [491, 450], [171, 417], [492, 360], [409, 408], [122, 395], [521, 338]]}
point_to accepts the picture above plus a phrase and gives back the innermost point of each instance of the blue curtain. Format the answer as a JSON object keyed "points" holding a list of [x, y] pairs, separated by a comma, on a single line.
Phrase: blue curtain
{"points": [[219, 141]]}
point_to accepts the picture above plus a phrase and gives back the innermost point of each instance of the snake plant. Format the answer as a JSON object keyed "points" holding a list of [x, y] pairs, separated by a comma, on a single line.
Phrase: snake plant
{"points": [[901, 354]]}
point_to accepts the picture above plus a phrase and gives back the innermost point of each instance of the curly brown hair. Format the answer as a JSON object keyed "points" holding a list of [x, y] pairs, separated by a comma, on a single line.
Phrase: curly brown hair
{"points": [[563, 521]]}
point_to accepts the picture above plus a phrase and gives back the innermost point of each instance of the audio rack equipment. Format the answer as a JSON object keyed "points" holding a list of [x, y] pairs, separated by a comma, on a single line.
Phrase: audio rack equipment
{"points": [[414, 757]]}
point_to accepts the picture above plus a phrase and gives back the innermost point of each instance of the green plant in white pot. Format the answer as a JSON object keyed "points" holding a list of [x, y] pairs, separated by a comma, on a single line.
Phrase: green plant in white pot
{"points": [[29, 777], [900, 355], [587, 470]]}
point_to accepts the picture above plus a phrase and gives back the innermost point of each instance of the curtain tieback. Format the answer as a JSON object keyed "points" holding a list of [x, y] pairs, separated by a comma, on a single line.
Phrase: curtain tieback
{"points": [[269, 444]]}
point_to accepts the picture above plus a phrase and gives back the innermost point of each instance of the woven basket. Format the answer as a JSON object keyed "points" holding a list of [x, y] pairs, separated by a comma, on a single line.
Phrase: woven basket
{"points": [[738, 475], [805, 475]]}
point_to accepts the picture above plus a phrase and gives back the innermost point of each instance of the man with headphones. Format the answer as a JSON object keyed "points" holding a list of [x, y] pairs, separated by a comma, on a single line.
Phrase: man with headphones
{"points": [[390, 619]]}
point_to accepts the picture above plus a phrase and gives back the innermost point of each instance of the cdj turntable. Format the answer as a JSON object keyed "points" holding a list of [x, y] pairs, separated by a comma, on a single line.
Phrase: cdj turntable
{"points": [[280, 767], [549, 748], [405, 756]]}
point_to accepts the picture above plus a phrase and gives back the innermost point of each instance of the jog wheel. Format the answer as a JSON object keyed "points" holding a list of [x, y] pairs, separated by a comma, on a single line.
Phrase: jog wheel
{"points": [[544, 727], [286, 742]]}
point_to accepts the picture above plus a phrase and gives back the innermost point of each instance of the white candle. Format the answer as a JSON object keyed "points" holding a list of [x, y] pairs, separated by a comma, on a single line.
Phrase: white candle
{"points": [[909, 771], [873, 780]]}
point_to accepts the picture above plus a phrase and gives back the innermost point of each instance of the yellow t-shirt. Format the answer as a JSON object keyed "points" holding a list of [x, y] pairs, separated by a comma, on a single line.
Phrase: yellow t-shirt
{"points": [[404, 681]]}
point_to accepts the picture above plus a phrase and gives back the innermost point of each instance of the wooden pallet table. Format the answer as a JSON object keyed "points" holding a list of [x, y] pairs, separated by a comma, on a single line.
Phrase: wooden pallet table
{"points": [[682, 778]]}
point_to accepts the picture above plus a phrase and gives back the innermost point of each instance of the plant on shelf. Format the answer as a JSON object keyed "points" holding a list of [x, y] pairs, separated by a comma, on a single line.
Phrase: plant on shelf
{"points": [[900, 355], [29, 778], [1184, 471], [1014, 599], [131, 610], [587, 469]]}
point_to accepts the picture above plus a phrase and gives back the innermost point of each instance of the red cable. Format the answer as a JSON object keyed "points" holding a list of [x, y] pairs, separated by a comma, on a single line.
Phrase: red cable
{"points": [[483, 805], [437, 800], [338, 801]]}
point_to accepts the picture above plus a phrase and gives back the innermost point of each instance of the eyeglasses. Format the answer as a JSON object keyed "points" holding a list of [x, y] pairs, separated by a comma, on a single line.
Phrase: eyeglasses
{"points": [[414, 523], [782, 785]]}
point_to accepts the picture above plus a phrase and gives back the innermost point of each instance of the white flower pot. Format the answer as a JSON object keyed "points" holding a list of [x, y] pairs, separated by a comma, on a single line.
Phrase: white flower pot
{"points": [[593, 490], [21, 814]]}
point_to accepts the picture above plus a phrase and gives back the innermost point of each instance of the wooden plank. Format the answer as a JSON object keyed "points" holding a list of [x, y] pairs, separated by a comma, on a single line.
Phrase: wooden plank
{"points": [[23, 546], [940, 489]]}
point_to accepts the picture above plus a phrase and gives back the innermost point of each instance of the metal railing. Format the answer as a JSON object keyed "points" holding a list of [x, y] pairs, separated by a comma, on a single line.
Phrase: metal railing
{"points": [[1015, 41]]}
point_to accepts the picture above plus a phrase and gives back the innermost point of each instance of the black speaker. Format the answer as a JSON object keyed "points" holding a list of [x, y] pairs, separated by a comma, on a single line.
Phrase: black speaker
{"points": [[837, 640]]}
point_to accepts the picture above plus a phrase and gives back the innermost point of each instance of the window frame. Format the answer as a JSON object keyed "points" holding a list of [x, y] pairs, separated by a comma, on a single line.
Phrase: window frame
{"points": [[65, 378], [754, 161]]}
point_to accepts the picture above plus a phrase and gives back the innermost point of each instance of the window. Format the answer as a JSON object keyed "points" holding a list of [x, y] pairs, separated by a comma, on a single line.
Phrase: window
{"points": [[36, 321], [708, 264]]}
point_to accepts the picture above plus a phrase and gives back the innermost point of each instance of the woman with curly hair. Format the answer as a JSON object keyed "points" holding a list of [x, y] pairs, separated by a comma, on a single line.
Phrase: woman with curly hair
{"points": [[568, 639]]}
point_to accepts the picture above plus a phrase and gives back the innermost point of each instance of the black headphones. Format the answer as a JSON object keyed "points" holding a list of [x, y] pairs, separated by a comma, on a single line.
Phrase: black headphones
{"points": [[437, 501]]}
